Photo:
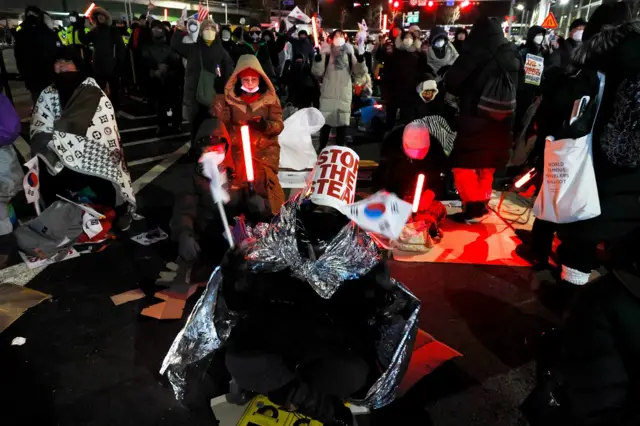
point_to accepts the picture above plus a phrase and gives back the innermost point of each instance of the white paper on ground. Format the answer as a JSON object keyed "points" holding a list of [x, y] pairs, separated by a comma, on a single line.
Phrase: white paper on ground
{"points": [[18, 341], [150, 237], [34, 262], [91, 225]]}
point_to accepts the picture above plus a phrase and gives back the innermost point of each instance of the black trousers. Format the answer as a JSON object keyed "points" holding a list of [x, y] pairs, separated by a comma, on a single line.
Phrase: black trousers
{"points": [[407, 115], [167, 97], [341, 133], [113, 83], [574, 251], [338, 374]]}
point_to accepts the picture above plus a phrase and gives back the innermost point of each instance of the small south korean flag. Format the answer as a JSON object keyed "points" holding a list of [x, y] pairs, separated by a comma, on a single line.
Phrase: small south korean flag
{"points": [[31, 181], [383, 213]]}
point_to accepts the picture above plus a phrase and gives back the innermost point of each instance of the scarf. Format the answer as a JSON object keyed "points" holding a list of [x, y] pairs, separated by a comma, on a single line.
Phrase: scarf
{"points": [[448, 57], [339, 58]]}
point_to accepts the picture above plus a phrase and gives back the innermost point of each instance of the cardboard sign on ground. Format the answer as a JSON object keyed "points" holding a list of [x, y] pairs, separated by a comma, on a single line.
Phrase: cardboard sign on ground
{"points": [[171, 309], [127, 296], [15, 300]]}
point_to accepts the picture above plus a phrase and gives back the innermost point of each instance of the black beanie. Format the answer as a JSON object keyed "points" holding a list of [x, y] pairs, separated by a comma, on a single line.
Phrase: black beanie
{"points": [[302, 32], [68, 53], [612, 14], [577, 23]]}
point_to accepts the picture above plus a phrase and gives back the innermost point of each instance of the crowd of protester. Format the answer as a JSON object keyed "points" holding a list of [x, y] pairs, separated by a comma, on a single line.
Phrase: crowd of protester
{"points": [[453, 105]]}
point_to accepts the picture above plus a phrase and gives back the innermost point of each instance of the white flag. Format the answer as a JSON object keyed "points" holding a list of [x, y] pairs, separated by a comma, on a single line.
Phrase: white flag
{"points": [[31, 181], [210, 162], [383, 213]]}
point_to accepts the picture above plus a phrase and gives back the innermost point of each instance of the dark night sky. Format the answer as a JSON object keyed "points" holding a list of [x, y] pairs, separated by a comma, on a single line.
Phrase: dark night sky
{"points": [[330, 12]]}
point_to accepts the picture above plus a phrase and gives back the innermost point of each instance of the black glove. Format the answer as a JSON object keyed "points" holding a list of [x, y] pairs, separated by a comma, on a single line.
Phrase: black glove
{"points": [[317, 57], [257, 206], [259, 124], [235, 269], [188, 247]]}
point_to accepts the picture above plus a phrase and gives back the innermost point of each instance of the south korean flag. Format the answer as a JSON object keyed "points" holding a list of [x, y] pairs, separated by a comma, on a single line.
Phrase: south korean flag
{"points": [[31, 181], [383, 213]]}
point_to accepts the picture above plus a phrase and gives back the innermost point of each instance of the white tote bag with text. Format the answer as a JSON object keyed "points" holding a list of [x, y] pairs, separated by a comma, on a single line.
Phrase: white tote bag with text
{"points": [[569, 191]]}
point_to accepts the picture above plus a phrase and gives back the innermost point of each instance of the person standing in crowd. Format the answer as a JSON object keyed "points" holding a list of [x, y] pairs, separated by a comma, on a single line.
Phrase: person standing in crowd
{"points": [[139, 38], [560, 59], [591, 364], [11, 174], [300, 46], [333, 65], [460, 37], [108, 53], [252, 44], [75, 135], [164, 68], [35, 51], [226, 37], [74, 36], [527, 92], [610, 45], [302, 87], [441, 53], [403, 70], [208, 69], [483, 143]]}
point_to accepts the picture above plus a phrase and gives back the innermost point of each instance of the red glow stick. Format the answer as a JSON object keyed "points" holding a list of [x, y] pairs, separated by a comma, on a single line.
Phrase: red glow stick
{"points": [[91, 6], [418, 193], [384, 24], [246, 148], [315, 30]]}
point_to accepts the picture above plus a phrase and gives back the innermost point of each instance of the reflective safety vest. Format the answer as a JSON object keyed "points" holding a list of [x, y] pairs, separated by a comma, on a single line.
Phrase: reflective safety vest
{"points": [[73, 37], [62, 35], [127, 37]]}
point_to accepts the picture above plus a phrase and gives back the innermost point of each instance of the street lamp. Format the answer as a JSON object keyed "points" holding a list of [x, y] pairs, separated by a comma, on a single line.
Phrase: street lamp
{"points": [[520, 7], [563, 2], [226, 18]]}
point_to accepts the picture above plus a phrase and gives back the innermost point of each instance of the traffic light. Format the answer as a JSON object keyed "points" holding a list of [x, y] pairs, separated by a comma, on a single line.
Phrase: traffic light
{"points": [[396, 4], [464, 4], [430, 4]]}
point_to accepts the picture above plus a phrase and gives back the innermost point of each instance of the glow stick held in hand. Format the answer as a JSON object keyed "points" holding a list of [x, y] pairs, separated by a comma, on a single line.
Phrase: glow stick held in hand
{"points": [[315, 31], [418, 193], [246, 149], [384, 24], [89, 9]]}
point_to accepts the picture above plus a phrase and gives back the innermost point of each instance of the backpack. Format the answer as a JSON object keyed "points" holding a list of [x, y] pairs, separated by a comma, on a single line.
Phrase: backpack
{"points": [[498, 97], [620, 138]]}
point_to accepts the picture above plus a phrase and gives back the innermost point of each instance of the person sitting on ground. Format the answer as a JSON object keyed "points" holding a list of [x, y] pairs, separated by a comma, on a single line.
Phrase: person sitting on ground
{"points": [[10, 174], [250, 99], [196, 224], [75, 134], [422, 146]]}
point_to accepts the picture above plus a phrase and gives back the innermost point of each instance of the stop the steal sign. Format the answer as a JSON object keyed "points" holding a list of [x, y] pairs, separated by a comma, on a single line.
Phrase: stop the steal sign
{"points": [[334, 177]]}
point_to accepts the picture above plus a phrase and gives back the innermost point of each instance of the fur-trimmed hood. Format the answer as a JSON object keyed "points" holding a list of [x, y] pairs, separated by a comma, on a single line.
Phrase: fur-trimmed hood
{"points": [[100, 11], [400, 45], [614, 48]]}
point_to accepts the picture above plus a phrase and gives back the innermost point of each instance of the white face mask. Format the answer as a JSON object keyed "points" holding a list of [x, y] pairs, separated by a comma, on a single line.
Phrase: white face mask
{"points": [[407, 41], [338, 42], [438, 43], [72, 19], [226, 36], [209, 35], [538, 39], [577, 35], [254, 90], [193, 28]]}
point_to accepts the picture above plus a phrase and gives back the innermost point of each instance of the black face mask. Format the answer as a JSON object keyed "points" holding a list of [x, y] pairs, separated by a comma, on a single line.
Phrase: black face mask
{"points": [[158, 36], [255, 36], [66, 83]]}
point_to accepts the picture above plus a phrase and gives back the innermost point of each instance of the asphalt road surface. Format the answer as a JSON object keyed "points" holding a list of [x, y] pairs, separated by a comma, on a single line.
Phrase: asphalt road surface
{"points": [[88, 362]]}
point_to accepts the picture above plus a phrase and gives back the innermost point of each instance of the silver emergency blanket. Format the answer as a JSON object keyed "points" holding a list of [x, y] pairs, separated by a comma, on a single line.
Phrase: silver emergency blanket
{"points": [[350, 255]]}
